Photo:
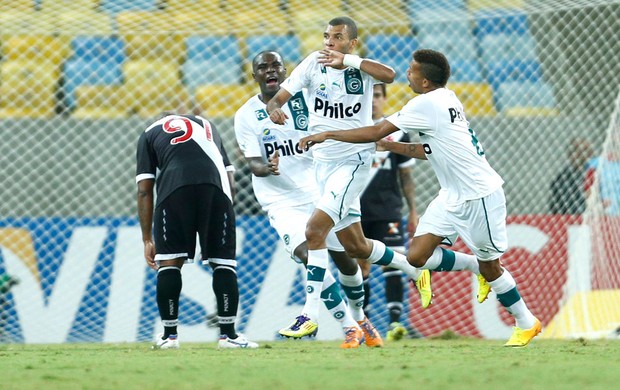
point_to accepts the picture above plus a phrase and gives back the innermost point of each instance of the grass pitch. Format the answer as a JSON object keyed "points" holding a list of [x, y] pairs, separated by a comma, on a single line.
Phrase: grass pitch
{"points": [[408, 364]]}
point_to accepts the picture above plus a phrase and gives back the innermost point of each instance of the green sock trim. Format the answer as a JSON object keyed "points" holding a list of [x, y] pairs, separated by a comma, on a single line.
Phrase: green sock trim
{"points": [[447, 260], [331, 296], [354, 292], [315, 274], [509, 298], [387, 257]]}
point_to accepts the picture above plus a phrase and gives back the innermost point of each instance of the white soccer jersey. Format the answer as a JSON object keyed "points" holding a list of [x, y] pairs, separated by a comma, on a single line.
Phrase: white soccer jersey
{"points": [[338, 99], [258, 136], [456, 155]]}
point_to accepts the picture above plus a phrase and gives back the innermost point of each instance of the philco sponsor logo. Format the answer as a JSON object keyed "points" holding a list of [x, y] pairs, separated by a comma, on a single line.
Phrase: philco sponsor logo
{"points": [[337, 110], [287, 148]]}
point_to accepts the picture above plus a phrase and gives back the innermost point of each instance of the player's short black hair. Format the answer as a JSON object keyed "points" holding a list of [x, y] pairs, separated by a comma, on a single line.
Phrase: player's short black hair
{"points": [[347, 21], [262, 53], [434, 65], [383, 89]]}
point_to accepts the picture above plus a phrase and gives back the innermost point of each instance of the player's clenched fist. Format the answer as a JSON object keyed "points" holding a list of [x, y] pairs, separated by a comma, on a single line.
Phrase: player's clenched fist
{"points": [[278, 116], [309, 141]]}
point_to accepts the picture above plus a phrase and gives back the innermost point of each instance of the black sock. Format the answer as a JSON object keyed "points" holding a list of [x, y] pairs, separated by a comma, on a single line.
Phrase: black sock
{"points": [[169, 285], [227, 295], [394, 293], [366, 295]]}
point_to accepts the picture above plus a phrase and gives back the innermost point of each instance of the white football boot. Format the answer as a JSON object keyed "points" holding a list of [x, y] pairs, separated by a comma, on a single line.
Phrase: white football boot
{"points": [[239, 342], [172, 342]]}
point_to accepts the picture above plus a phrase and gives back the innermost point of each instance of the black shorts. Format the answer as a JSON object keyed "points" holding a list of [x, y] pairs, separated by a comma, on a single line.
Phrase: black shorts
{"points": [[389, 233], [195, 209]]}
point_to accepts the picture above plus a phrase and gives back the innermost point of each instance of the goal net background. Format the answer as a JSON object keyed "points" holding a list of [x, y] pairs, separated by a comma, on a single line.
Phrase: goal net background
{"points": [[81, 79]]}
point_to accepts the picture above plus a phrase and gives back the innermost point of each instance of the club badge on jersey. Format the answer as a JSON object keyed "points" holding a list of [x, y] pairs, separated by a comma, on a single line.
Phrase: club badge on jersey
{"points": [[299, 111]]}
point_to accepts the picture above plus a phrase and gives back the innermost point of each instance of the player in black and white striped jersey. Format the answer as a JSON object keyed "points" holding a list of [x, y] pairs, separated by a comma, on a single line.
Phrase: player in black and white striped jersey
{"points": [[185, 155]]}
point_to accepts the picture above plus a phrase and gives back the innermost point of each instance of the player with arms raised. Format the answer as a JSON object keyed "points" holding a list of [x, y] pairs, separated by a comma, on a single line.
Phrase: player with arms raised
{"points": [[284, 185], [340, 89]]}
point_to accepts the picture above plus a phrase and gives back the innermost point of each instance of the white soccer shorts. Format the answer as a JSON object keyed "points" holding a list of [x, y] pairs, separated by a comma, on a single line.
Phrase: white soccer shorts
{"points": [[340, 186], [481, 224], [290, 224]]}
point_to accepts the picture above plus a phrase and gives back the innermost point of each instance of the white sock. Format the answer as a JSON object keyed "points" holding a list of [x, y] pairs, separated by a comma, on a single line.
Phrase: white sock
{"points": [[332, 298], [315, 273], [506, 289], [385, 256], [353, 286]]}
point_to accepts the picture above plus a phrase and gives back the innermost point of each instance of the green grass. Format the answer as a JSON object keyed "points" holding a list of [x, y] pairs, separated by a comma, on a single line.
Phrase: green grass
{"points": [[449, 363]]}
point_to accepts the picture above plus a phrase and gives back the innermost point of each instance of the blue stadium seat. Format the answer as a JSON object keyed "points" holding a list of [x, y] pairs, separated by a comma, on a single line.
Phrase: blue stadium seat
{"points": [[287, 45], [116, 6], [465, 71], [201, 48], [528, 94], [501, 22], [198, 72], [455, 47], [79, 71], [496, 47], [393, 50], [99, 48], [428, 23], [416, 6], [513, 70]]}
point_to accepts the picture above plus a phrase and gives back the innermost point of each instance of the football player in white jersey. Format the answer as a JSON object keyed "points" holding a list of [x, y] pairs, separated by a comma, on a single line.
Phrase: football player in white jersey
{"points": [[288, 195], [471, 202], [340, 89]]}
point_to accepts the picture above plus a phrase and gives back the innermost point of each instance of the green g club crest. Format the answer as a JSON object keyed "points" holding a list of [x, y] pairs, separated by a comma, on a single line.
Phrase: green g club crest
{"points": [[353, 82], [299, 111]]}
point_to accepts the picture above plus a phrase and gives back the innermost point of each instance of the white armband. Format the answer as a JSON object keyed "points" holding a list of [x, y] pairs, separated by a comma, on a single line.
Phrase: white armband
{"points": [[352, 60]]}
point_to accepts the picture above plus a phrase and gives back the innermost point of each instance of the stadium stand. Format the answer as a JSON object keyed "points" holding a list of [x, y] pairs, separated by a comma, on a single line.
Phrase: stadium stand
{"points": [[147, 81], [477, 5], [398, 94], [465, 71], [456, 48], [501, 21], [138, 28], [526, 98], [81, 6], [35, 47], [477, 98], [100, 102], [394, 50], [513, 70], [507, 47], [116, 6], [222, 101], [380, 16], [27, 89], [96, 60], [211, 60], [432, 22]]}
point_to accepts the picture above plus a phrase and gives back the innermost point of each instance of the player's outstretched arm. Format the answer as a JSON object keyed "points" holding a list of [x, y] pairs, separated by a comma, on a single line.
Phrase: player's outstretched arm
{"points": [[359, 135], [274, 107], [405, 148]]}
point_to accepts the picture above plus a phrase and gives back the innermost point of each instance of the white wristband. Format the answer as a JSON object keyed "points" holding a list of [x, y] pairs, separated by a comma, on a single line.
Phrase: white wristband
{"points": [[352, 60]]}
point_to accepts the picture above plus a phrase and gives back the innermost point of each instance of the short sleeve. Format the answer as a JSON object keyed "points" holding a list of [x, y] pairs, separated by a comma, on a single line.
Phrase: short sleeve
{"points": [[146, 161], [415, 116], [246, 138], [298, 78]]}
